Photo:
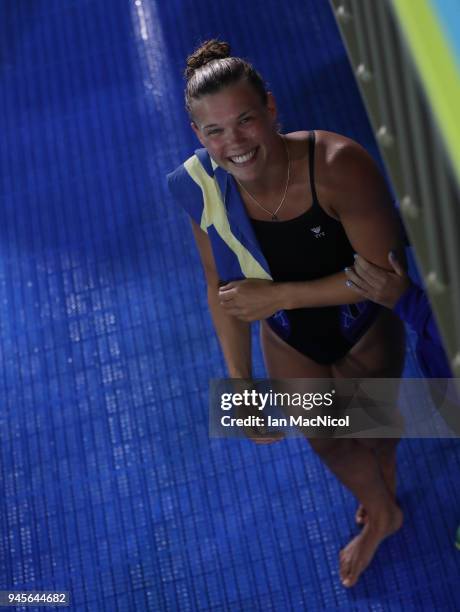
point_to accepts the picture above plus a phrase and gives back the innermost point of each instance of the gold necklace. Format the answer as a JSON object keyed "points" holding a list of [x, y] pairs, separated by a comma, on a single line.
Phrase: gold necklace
{"points": [[271, 213]]}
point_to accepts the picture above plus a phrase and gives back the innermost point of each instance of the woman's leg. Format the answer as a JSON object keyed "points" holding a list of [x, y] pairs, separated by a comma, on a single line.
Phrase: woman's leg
{"points": [[380, 353], [354, 464]]}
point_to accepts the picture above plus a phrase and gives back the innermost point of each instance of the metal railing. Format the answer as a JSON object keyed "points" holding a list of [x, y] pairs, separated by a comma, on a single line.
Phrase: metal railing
{"points": [[413, 150]]}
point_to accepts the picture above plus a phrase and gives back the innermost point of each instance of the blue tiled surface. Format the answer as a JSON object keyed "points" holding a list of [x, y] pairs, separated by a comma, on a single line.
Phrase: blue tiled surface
{"points": [[110, 486]]}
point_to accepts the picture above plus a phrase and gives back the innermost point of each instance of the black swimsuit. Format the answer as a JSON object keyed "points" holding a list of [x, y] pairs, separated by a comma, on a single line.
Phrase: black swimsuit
{"points": [[311, 246]]}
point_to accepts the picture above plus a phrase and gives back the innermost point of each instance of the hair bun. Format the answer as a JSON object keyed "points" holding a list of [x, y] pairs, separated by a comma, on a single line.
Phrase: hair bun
{"points": [[210, 50]]}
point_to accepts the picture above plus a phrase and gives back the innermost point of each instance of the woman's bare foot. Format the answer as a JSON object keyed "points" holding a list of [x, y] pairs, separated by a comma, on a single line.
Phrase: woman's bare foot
{"points": [[358, 553], [387, 464]]}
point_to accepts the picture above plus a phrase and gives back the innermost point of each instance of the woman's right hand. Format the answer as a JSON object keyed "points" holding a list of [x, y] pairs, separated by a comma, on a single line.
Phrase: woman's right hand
{"points": [[376, 284], [258, 434]]}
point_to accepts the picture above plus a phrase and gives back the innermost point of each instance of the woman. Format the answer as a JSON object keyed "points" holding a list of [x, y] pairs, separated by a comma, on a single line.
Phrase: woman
{"points": [[276, 219]]}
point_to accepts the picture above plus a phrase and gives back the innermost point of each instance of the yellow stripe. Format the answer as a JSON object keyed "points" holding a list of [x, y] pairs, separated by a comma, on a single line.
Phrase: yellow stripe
{"points": [[214, 213], [438, 70]]}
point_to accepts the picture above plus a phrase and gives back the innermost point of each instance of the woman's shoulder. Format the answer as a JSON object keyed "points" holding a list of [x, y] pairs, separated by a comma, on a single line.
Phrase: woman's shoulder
{"points": [[329, 146], [339, 156], [334, 146], [321, 136], [341, 164]]}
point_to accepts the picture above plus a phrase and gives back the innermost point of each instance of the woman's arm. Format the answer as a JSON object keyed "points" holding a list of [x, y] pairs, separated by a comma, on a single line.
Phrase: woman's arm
{"points": [[255, 299], [235, 340], [355, 192], [234, 335]]}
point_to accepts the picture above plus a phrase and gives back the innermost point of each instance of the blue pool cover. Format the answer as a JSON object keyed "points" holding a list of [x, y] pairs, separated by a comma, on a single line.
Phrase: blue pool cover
{"points": [[110, 486]]}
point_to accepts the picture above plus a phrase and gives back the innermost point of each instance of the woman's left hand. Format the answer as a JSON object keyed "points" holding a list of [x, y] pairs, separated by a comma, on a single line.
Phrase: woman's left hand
{"points": [[249, 299]]}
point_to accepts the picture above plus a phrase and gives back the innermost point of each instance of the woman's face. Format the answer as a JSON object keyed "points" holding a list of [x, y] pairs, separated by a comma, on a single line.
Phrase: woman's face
{"points": [[237, 129]]}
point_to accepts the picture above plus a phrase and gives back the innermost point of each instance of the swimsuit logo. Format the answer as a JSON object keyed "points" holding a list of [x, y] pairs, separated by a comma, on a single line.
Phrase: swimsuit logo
{"points": [[316, 231]]}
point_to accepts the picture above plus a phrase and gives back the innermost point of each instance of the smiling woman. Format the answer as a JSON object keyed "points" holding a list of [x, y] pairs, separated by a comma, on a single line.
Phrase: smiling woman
{"points": [[238, 141], [276, 219]]}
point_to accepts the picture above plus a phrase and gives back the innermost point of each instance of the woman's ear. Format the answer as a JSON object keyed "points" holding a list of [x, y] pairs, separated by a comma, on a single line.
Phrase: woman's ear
{"points": [[197, 131]]}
